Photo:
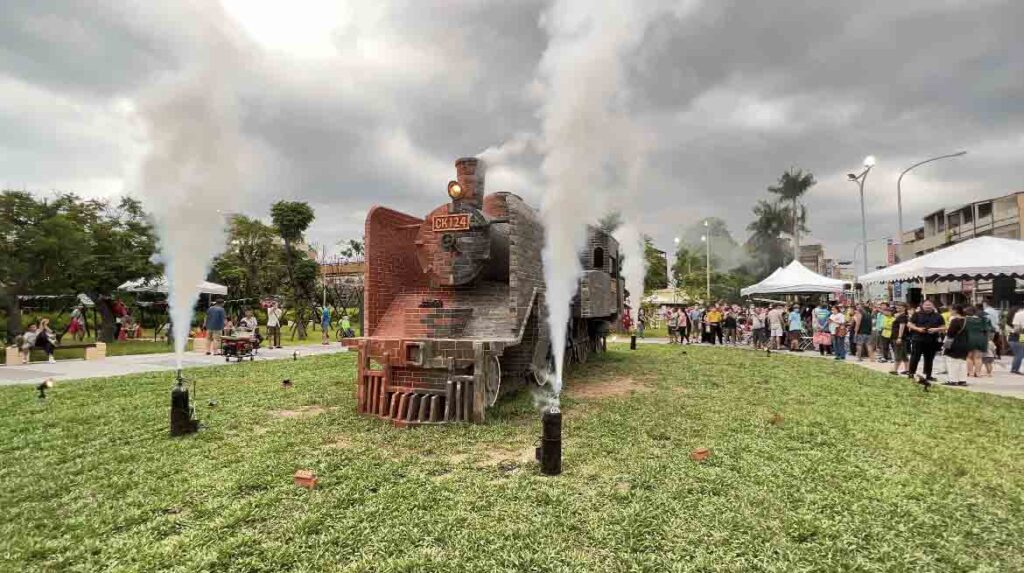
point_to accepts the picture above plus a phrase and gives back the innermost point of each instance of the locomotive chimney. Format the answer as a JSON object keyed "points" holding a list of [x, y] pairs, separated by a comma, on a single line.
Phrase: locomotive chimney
{"points": [[469, 174]]}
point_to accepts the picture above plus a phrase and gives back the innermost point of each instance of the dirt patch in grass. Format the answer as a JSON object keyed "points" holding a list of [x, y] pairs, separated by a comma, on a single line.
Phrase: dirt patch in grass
{"points": [[340, 443], [607, 388], [302, 412], [504, 458]]}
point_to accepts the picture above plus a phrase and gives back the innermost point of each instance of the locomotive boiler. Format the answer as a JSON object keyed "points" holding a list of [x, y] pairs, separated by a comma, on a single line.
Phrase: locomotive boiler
{"points": [[455, 312]]}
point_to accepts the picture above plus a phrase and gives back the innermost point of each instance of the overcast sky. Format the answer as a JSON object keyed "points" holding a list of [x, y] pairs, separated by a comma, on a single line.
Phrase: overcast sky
{"points": [[347, 107]]}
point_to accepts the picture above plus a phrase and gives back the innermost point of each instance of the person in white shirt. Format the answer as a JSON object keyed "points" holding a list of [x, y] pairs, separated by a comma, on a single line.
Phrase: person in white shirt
{"points": [[993, 318], [837, 328], [1016, 328], [274, 314], [248, 321]]}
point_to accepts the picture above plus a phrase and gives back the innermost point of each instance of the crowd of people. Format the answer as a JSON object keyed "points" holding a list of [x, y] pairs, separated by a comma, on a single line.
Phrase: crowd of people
{"points": [[969, 337], [219, 324]]}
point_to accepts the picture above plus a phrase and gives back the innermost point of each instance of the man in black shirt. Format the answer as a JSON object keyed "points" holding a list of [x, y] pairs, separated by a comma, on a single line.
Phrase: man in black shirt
{"points": [[925, 327]]}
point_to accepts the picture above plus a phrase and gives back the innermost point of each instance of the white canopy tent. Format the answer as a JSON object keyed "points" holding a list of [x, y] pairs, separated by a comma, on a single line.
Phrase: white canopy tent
{"points": [[795, 279], [667, 296], [978, 258], [160, 285]]}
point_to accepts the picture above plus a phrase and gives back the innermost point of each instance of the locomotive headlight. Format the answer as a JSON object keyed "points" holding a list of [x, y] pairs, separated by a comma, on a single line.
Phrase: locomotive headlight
{"points": [[454, 189]]}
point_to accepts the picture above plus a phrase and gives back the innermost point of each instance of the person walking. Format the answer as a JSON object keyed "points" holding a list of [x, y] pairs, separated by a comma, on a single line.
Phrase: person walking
{"points": [[796, 329], [683, 326], [77, 326], [775, 330], [1016, 327], [274, 314], [992, 313], [956, 347], [925, 327], [978, 328], [641, 322], [863, 325], [899, 340], [884, 321], [694, 322], [757, 326], [837, 329], [821, 338], [877, 323], [325, 325], [714, 319], [346, 326], [673, 325], [216, 320], [729, 325]]}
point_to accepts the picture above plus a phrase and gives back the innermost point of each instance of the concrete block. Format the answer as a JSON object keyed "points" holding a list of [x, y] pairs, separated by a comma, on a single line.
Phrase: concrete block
{"points": [[200, 345], [12, 355], [99, 352]]}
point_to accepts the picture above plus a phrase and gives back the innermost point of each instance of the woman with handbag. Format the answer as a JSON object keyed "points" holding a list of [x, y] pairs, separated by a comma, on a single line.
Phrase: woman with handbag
{"points": [[956, 347], [837, 328], [978, 328]]}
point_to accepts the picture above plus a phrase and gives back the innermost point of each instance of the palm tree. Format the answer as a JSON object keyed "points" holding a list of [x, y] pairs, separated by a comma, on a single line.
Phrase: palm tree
{"points": [[791, 186], [765, 243]]}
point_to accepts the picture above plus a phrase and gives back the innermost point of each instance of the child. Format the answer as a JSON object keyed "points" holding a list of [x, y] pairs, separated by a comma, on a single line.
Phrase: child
{"points": [[989, 357]]}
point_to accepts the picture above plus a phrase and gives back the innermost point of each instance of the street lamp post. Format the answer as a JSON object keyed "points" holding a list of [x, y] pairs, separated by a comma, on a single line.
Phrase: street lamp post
{"points": [[899, 191], [675, 255], [869, 162], [707, 265]]}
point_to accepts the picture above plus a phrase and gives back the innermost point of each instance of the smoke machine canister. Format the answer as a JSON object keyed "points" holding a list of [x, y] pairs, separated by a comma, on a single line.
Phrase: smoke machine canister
{"points": [[183, 413], [549, 454]]}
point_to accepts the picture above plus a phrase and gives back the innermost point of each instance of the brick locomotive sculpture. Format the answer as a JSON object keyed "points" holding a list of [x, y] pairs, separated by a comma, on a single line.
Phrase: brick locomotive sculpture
{"points": [[455, 309]]}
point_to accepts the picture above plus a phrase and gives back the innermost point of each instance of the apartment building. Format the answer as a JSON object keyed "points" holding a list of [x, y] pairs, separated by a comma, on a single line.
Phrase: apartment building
{"points": [[998, 217]]}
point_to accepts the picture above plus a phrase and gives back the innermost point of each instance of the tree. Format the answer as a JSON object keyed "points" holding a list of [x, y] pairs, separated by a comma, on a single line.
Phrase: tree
{"points": [[766, 246], [32, 255], [69, 244], [291, 219], [657, 274], [253, 264], [791, 186], [352, 250], [121, 248]]}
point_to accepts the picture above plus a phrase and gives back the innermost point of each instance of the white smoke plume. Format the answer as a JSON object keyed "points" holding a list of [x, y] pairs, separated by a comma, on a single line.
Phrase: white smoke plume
{"points": [[634, 264], [583, 82], [189, 176]]}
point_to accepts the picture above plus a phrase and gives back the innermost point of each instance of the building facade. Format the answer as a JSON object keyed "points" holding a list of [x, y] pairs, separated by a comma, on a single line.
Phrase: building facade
{"points": [[813, 257], [997, 217]]}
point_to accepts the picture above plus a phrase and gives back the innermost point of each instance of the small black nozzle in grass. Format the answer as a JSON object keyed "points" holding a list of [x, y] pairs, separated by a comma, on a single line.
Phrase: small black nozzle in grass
{"points": [[43, 387], [183, 415], [549, 454]]}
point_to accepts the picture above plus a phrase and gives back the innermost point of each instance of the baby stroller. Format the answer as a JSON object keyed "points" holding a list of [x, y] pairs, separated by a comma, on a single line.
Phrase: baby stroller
{"points": [[240, 346]]}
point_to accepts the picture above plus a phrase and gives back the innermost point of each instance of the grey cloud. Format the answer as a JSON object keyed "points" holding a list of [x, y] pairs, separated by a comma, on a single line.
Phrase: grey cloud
{"points": [[731, 95]]}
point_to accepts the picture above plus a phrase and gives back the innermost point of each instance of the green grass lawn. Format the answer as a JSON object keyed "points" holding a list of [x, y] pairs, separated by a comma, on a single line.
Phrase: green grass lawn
{"points": [[859, 471]]}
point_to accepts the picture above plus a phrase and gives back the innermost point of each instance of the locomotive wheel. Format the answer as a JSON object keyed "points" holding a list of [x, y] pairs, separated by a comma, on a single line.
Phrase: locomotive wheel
{"points": [[492, 384]]}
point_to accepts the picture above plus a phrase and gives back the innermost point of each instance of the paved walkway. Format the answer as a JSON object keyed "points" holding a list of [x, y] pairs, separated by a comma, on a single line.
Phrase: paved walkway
{"points": [[120, 365], [1001, 382]]}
